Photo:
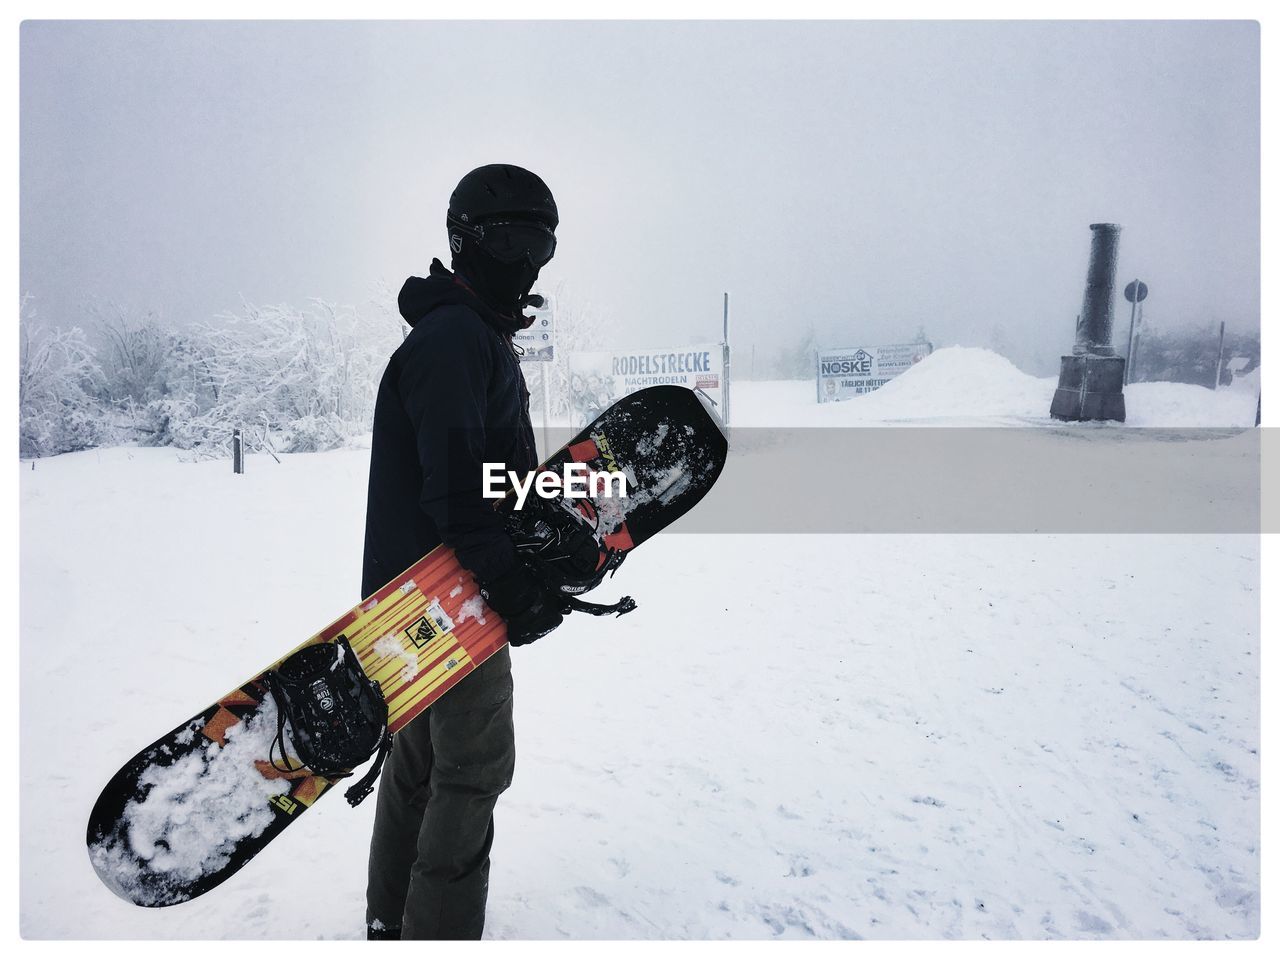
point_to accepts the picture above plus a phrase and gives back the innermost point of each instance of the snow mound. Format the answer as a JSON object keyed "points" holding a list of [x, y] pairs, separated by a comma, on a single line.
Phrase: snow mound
{"points": [[962, 382], [1188, 406], [952, 384]]}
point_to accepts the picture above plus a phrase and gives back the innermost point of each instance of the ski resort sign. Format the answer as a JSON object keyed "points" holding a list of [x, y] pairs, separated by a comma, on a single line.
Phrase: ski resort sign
{"points": [[597, 380], [853, 371], [538, 340]]}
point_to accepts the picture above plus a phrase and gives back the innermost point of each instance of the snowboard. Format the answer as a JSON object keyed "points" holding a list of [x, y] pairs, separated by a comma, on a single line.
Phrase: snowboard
{"points": [[200, 802]]}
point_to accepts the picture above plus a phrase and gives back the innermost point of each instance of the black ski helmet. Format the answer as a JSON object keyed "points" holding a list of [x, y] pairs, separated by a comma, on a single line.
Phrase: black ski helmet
{"points": [[502, 189], [501, 226]]}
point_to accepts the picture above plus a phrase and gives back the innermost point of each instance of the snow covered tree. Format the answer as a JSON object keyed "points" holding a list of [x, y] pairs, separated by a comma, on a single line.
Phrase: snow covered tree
{"points": [[132, 357], [308, 375], [796, 362], [137, 359], [1182, 355], [58, 381]]}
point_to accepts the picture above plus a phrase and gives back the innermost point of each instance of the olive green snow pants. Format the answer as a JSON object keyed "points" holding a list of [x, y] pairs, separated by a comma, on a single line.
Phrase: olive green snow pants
{"points": [[433, 828]]}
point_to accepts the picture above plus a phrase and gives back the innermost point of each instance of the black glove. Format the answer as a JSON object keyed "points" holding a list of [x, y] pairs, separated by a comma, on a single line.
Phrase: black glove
{"points": [[530, 607], [565, 548]]}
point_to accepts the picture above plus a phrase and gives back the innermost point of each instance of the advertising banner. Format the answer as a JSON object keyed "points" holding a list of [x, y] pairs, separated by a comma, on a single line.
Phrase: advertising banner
{"points": [[597, 379], [853, 371]]}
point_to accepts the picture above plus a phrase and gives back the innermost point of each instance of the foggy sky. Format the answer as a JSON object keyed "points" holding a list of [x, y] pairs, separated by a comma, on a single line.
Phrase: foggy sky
{"points": [[865, 178]]}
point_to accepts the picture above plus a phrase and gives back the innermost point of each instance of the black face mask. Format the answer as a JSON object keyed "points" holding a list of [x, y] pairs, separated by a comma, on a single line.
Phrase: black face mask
{"points": [[500, 259], [501, 285]]}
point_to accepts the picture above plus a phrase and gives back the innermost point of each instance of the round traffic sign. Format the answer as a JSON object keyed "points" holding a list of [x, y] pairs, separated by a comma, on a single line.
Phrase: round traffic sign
{"points": [[1136, 291]]}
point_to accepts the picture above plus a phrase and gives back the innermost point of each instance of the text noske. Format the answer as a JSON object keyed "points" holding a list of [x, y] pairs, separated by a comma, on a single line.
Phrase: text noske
{"points": [[574, 482]]}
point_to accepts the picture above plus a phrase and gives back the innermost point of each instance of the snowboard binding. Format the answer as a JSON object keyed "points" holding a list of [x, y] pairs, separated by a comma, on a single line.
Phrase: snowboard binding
{"points": [[336, 715], [565, 544], [568, 552]]}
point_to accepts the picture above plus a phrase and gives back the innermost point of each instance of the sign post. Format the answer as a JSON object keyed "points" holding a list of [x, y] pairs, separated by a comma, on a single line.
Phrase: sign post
{"points": [[1135, 293], [538, 343], [726, 361], [1222, 339]]}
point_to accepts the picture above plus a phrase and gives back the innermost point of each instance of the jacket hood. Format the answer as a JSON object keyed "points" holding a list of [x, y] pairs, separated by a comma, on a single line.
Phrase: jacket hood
{"points": [[420, 295]]}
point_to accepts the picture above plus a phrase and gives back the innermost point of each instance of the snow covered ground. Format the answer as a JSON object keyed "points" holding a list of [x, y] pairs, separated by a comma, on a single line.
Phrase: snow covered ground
{"points": [[794, 736]]}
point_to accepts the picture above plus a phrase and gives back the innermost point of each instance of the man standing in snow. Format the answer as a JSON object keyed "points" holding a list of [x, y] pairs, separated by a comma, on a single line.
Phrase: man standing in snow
{"points": [[452, 398]]}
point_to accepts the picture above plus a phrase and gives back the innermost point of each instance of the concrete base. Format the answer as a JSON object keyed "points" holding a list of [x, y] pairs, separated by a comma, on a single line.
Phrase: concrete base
{"points": [[1089, 388]]}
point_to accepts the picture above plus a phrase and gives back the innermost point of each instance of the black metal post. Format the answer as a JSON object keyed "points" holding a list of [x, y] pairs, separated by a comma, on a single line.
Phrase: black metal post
{"points": [[1222, 340]]}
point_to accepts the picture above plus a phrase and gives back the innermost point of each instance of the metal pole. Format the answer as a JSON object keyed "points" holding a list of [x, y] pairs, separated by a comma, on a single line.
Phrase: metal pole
{"points": [[1133, 317], [237, 451], [546, 412], [1133, 360], [727, 359], [1222, 336]]}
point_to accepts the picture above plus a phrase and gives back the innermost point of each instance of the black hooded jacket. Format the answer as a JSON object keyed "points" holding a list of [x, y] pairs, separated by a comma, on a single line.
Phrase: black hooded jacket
{"points": [[452, 398]]}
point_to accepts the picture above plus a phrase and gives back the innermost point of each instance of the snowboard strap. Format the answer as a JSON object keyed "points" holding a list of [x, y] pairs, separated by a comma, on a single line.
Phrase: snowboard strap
{"points": [[625, 605], [359, 790], [285, 765]]}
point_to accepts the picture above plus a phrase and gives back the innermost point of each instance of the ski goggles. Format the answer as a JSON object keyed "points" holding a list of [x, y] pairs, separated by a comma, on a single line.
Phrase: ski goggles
{"points": [[510, 241]]}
